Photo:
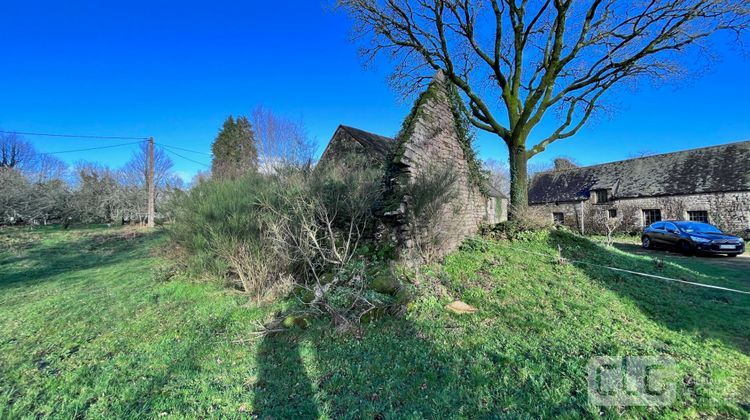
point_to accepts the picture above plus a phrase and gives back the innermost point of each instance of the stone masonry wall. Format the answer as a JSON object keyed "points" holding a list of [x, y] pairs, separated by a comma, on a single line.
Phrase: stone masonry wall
{"points": [[430, 145], [729, 211]]}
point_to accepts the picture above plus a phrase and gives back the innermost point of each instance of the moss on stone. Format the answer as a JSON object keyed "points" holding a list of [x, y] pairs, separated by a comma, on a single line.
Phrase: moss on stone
{"points": [[385, 283], [291, 321], [404, 296]]}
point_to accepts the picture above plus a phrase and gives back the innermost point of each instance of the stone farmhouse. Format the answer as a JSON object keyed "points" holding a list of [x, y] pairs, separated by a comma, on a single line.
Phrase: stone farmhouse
{"points": [[710, 184], [433, 147]]}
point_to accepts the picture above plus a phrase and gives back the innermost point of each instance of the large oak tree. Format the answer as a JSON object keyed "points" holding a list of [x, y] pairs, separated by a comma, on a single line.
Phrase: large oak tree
{"points": [[517, 61]]}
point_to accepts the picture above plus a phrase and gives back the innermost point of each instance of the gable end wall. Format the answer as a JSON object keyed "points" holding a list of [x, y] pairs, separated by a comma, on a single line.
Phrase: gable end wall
{"points": [[433, 143]]}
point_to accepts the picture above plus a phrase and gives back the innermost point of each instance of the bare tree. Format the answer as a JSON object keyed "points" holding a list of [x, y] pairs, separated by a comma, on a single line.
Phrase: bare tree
{"points": [[499, 175], [514, 61], [15, 152], [133, 182], [199, 177], [33, 184], [280, 141], [603, 223], [14, 194], [46, 168], [135, 171], [96, 197]]}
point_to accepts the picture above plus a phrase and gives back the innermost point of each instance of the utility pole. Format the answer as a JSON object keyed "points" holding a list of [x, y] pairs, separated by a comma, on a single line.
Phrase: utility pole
{"points": [[151, 186]]}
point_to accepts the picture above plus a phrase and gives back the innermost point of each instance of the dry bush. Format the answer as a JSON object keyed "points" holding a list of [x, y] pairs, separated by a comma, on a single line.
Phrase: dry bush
{"points": [[533, 218], [260, 277], [318, 224]]}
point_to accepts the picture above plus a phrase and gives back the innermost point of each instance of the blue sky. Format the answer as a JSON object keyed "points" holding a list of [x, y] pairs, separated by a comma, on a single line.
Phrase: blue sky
{"points": [[175, 70]]}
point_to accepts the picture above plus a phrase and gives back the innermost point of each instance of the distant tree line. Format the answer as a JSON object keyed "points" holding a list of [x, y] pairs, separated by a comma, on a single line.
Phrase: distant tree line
{"points": [[38, 188]]}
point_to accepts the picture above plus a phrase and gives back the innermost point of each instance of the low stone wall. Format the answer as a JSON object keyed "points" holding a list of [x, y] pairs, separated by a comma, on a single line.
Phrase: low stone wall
{"points": [[729, 211]]}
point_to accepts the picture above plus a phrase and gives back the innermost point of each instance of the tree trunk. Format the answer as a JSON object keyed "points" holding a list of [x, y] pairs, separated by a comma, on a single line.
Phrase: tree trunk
{"points": [[519, 193]]}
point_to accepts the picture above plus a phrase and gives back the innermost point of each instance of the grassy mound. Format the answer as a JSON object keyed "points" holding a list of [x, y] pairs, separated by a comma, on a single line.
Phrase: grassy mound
{"points": [[91, 322]]}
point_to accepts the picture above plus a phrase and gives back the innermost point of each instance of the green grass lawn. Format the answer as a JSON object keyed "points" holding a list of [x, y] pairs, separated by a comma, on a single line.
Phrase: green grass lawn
{"points": [[92, 325]]}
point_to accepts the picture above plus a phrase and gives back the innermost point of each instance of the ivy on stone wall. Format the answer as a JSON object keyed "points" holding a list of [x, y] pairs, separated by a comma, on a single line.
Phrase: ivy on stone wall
{"points": [[393, 174], [407, 127], [462, 128]]}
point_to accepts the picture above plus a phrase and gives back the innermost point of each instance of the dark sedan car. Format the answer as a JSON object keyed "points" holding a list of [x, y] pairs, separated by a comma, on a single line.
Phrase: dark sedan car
{"points": [[690, 237]]}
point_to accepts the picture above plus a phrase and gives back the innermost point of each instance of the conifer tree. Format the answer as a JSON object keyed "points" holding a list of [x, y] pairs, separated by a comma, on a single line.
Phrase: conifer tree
{"points": [[234, 151]]}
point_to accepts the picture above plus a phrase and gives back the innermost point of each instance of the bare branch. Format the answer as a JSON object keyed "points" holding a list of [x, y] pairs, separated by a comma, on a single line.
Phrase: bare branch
{"points": [[514, 60]]}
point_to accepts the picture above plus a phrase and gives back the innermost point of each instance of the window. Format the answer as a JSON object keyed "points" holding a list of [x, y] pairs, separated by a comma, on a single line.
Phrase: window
{"points": [[612, 213], [558, 218], [651, 216], [698, 227], [670, 227], [698, 216], [601, 196]]}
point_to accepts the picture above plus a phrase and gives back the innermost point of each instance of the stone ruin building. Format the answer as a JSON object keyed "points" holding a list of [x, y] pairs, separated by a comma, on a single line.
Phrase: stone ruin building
{"points": [[434, 193]]}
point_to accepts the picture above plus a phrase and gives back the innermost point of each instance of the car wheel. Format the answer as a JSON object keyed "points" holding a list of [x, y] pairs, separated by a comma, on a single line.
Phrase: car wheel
{"points": [[732, 255], [685, 247], [646, 242]]}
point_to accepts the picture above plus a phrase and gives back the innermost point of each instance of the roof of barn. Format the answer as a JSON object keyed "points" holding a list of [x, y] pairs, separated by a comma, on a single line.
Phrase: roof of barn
{"points": [[723, 168], [372, 145]]}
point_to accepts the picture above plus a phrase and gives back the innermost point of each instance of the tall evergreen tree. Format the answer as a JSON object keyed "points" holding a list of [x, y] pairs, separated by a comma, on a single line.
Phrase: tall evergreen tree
{"points": [[234, 149]]}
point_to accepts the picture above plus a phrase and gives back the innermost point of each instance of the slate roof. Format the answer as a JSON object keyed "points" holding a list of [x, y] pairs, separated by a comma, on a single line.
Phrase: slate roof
{"points": [[373, 143], [723, 168], [349, 139]]}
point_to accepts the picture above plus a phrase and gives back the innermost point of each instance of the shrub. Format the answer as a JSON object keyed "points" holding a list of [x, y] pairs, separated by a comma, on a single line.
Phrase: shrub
{"points": [[433, 201], [322, 225], [519, 227], [225, 227], [260, 231], [533, 218]]}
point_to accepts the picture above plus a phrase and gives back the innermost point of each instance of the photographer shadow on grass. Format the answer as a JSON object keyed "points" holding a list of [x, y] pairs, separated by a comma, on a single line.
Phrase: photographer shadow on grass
{"points": [[387, 368], [284, 388]]}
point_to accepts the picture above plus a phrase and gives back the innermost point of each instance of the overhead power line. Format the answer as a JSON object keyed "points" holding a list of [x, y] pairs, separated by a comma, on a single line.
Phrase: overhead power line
{"points": [[91, 148], [183, 149], [186, 158], [73, 136], [169, 149]]}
